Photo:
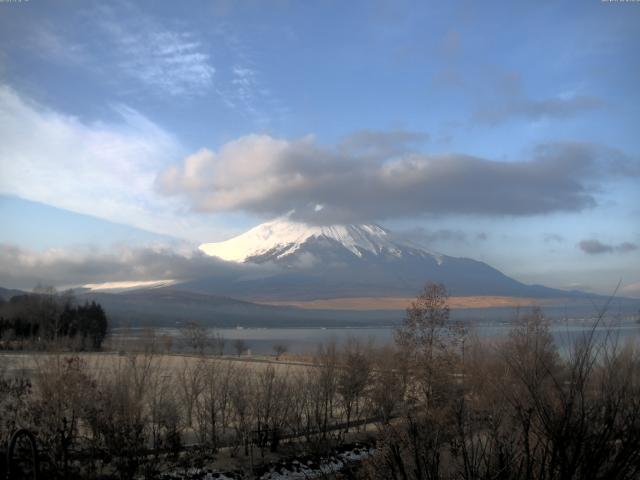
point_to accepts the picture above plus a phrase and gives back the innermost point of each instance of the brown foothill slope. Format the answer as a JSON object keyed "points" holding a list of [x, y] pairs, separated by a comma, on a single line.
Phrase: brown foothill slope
{"points": [[400, 303]]}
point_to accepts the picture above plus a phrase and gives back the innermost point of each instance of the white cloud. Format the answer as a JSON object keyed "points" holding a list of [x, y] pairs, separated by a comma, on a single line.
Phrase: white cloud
{"points": [[101, 169], [47, 42], [22, 268], [169, 61], [241, 86], [269, 176]]}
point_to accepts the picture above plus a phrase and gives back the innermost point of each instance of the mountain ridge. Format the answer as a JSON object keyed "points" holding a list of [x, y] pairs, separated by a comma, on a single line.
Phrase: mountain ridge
{"points": [[352, 260], [282, 237]]}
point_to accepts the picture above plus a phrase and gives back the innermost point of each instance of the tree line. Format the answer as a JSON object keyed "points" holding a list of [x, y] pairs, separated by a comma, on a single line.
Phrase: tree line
{"points": [[44, 317], [135, 414], [511, 409]]}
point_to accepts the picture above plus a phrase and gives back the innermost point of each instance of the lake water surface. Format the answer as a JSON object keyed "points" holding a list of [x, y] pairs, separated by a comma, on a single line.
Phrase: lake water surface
{"points": [[306, 340]]}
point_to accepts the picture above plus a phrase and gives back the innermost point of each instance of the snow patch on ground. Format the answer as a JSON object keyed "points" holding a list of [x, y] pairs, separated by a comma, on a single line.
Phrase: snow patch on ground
{"points": [[333, 464], [285, 470]]}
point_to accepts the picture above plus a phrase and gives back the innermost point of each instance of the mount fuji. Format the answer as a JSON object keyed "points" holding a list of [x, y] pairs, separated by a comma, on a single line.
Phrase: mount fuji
{"points": [[284, 240], [340, 261]]}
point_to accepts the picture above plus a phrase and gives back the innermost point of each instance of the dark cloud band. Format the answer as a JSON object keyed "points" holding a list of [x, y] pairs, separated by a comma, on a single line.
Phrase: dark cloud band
{"points": [[262, 175], [593, 246]]}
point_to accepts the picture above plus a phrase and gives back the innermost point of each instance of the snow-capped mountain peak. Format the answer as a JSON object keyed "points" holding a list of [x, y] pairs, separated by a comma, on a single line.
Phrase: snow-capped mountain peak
{"points": [[282, 237], [338, 261]]}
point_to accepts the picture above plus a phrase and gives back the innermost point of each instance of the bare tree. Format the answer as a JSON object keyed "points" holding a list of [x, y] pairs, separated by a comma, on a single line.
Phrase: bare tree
{"points": [[63, 390], [321, 387], [240, 346], [167, 342], [423, 328], [385, 391], [271, 406], [280, 349], [213, 403], [353, 378], [217, 342], [240, 393], [196, 337], [165, 420], [524, 412], [190, 382], [118, 415], [427, 336]]}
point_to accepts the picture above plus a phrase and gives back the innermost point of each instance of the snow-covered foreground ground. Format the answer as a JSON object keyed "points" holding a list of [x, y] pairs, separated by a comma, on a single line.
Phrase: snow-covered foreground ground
{"points": [[286, 469], [333, 464]]}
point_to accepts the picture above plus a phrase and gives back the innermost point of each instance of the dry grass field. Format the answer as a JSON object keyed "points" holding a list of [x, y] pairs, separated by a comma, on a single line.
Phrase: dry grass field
{"points": [[400, 303], [170, 364]]}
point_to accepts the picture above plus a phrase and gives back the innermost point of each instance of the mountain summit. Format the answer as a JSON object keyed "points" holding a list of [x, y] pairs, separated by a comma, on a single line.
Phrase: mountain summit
{"points": [[351, 260], [282, 237]]}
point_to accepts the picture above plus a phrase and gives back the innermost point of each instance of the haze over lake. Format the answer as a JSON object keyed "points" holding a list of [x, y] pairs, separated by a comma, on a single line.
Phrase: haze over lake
{"points": [[306, 340]]}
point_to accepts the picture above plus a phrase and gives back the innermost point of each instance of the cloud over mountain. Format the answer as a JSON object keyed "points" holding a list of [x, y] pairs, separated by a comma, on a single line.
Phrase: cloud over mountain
{"points": [[269, 176], [22, 268]]}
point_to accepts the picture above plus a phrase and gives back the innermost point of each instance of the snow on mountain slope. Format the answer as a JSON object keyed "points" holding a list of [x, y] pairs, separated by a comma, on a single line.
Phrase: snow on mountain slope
{"points": [[348, 261], [118, 287], [282, 237]]}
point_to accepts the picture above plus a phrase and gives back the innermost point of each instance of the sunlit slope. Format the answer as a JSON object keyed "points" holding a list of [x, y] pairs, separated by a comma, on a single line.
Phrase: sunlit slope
{"points": [[339, 261]]}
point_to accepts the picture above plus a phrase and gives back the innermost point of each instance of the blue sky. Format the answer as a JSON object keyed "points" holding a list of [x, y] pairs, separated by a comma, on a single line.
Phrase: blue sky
{"points": [[198, 120]]}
